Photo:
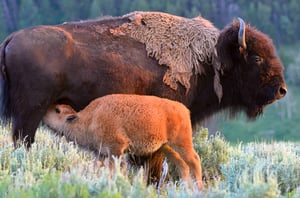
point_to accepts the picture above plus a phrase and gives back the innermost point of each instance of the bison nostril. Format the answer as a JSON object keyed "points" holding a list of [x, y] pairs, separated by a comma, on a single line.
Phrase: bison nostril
{"points": [[282, 91]]}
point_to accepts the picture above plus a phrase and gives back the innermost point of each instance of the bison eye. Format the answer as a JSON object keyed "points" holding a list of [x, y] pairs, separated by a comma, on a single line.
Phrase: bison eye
{"points": [[57, 110], [258, 60]]}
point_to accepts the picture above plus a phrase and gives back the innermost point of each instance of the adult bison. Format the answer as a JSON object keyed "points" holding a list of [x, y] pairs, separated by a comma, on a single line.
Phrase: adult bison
{"points": [[152, 53]]}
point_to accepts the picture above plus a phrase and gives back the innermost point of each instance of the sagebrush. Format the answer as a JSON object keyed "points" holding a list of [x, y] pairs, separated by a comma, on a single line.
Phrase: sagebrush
{"points": [[56, 168]]}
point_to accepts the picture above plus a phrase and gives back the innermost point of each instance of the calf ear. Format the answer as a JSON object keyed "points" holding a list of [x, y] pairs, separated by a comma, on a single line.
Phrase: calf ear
{"points": [[71, 118]]}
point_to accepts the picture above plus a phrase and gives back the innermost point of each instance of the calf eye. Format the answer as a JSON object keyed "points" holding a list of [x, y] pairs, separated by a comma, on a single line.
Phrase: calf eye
{"points": [[57, 110]]}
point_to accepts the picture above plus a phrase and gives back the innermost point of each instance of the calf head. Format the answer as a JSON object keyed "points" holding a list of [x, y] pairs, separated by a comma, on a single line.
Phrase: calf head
{"points": [[57, 116], [252, 71]]}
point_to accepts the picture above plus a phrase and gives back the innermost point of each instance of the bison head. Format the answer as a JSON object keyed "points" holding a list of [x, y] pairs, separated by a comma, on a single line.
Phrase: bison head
{"points": [[252, 72]]}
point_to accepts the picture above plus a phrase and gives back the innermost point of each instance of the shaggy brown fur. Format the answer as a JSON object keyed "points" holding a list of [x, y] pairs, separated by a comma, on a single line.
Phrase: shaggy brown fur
{"points": [[140, 125], [181, 44]]}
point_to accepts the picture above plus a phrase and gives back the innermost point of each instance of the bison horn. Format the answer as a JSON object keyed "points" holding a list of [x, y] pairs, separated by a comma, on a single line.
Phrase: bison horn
{"points": [[242, 30]]}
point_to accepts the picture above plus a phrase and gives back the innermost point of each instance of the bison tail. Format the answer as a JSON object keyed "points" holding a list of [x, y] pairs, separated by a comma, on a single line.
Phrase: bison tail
{"points": [[5, 111]]}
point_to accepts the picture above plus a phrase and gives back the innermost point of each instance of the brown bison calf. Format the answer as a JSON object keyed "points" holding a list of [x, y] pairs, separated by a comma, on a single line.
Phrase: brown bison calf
{"points": [[141, 125]]}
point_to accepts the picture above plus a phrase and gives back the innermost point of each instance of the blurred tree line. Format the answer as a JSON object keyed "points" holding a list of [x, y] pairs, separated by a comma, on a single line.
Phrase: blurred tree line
{"points": [[278, 18]]}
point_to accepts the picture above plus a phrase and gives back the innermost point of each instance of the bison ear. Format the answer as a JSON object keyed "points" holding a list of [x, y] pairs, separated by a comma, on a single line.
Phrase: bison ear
{"points": [[231, 45], [71, 118]]}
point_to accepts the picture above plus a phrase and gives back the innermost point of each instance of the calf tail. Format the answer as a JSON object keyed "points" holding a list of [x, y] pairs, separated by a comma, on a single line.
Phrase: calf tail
{"points": [[5, 111]]}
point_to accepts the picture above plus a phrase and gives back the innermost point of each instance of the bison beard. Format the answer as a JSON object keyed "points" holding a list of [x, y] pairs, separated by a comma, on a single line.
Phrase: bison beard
{"points": [[150, 53]]}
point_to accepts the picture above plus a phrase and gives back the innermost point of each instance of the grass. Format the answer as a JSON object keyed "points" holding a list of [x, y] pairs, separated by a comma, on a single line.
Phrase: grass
{"points": [[56, 168]]}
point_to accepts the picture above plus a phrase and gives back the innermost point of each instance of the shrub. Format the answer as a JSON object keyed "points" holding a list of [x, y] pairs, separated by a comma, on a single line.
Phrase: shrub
{"points": [[214, 151], [55, 168], [268, 169]]}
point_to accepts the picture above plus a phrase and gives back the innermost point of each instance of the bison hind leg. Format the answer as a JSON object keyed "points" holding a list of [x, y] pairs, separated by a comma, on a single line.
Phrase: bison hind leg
{"points": [[25, 121], [24, 129], [20, 138]]}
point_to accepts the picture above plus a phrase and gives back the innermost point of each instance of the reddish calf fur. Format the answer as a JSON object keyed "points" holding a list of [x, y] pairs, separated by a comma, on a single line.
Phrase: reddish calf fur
{"points": [[141, 125]]}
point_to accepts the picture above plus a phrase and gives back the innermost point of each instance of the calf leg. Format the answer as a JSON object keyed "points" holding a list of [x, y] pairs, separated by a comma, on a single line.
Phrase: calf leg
{"points": [[117, 142], [155, 166], [191, 157], [152, 164], [176, 159]]}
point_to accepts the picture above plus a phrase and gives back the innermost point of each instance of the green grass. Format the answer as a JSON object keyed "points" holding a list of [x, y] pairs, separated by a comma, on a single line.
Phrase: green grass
{"points": [[55, 168]]}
